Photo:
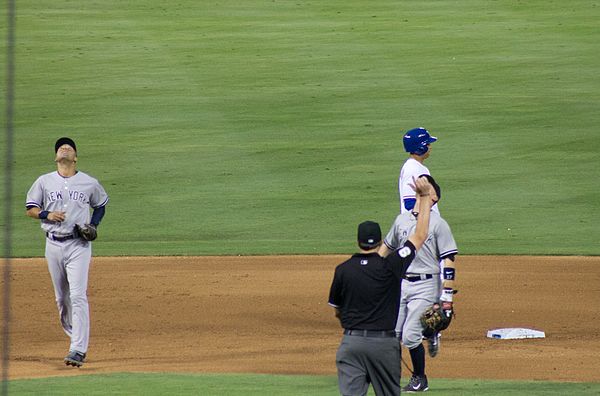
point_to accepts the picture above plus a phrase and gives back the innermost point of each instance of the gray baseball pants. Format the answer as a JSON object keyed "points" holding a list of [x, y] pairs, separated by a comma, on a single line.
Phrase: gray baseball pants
{"points": [[415, 298], [68, 264]]}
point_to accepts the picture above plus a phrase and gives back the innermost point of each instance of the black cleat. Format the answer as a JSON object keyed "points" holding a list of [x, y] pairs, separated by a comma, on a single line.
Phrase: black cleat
{"points": [[416, 384], [75, 359]]}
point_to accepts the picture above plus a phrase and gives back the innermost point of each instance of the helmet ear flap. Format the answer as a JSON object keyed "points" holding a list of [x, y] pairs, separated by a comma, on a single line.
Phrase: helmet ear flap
{"points": [[421, 149]]}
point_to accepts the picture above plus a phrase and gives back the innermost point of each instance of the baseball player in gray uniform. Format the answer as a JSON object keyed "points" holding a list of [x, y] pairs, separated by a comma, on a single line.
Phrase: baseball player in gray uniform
{"points": [[422, 286], [62, 201]]}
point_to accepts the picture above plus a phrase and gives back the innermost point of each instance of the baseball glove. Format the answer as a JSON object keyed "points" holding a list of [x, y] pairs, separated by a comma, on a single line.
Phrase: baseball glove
{"points": [[87, 231], [435, 319]]}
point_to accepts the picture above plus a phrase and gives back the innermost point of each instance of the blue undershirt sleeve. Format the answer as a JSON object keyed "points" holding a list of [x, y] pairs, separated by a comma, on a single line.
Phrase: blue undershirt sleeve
{"points": [[97, 215]]}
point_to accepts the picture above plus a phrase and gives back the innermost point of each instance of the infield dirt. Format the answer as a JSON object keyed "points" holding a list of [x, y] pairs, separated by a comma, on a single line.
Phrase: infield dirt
{"points": [[270, 315]]}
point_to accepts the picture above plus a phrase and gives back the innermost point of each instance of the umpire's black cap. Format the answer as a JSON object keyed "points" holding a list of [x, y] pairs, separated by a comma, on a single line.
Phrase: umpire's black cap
{"points": [[369, 235], [64, 140]]}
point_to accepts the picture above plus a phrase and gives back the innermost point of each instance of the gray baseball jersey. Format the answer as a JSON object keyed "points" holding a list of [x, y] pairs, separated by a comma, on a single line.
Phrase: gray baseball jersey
{"points": [[68, 255], [439, 244], [417, 296], [73, 195]]}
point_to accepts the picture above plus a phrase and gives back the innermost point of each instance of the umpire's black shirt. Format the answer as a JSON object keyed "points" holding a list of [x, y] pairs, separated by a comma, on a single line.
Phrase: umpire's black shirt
{"points": [[366, 289]]}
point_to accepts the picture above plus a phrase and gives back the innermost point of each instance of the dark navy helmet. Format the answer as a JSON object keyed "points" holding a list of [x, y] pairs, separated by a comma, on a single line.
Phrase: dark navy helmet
{"points": [[416, 141]]}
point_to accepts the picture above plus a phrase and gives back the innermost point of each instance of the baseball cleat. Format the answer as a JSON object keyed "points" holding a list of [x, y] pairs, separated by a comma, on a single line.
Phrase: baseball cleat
{"points": [[417, 383], [75, 359], [434, 344]]}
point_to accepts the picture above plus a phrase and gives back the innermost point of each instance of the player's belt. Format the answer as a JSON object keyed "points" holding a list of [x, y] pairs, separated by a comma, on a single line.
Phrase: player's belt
{"points": [[59, 238], [371, 333], [415, 278]]}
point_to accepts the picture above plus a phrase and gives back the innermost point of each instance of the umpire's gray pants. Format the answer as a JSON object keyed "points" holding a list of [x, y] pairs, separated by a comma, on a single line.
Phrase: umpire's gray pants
{"points": [[364, 360]]}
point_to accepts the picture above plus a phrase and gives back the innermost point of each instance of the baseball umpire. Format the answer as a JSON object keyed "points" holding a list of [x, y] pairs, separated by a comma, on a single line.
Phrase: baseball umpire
{"points": [[422, 286], [365, 294], [62, 201], [417, 142]]}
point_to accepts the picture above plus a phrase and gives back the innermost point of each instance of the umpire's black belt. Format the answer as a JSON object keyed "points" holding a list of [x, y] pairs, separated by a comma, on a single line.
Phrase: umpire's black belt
{"points": [[59, 238], [371, 333], [414, 278]]}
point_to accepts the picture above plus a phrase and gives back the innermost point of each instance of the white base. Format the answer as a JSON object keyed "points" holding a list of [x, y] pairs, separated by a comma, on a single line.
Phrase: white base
{"points": [[515, 333]]}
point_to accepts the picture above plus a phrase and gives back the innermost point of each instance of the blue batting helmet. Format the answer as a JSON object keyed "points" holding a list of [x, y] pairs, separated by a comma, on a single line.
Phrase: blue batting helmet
{"points": [[416, 141]]}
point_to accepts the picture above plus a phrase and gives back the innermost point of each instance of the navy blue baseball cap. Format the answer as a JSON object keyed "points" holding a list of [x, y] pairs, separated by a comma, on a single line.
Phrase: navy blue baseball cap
{"points": [[369, 235], [64, 140]]}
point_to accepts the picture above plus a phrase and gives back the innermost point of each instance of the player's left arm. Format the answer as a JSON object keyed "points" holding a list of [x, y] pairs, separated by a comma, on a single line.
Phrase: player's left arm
{"points": [[98, 202], [448, 252], [97, 216], [448, 282]]}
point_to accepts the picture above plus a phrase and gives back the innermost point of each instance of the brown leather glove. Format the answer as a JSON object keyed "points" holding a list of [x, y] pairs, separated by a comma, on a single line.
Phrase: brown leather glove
{"points": [[435, 319]]}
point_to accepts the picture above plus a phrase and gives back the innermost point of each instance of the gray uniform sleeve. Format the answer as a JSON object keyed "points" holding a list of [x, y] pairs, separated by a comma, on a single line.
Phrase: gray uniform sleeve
{"points": [[391, 239], [35, 195], [99, 196], [445, 240]]}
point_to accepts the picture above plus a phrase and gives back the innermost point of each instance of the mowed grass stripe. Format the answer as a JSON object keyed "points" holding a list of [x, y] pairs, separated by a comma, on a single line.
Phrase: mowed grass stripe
{"points": [[274, 127]]}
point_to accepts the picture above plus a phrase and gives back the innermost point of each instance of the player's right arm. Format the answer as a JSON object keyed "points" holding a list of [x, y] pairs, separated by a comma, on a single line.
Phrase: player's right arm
{"points": [[390, 241], [384, 251], [423, 189], [35, 202], [37, 213]]}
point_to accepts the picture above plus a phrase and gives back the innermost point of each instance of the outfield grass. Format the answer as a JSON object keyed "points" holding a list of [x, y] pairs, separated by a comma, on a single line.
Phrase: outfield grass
{"points": [[263, 385], [262, 127]]}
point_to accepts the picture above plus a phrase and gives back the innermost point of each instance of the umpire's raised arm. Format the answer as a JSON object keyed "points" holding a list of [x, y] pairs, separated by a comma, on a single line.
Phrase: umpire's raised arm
{"points": [[423, 189]]}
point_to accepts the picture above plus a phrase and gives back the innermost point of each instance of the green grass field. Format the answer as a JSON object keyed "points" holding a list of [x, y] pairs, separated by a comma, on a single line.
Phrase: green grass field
{"points": [[265, 127], [275, 127], [263, 385]]}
